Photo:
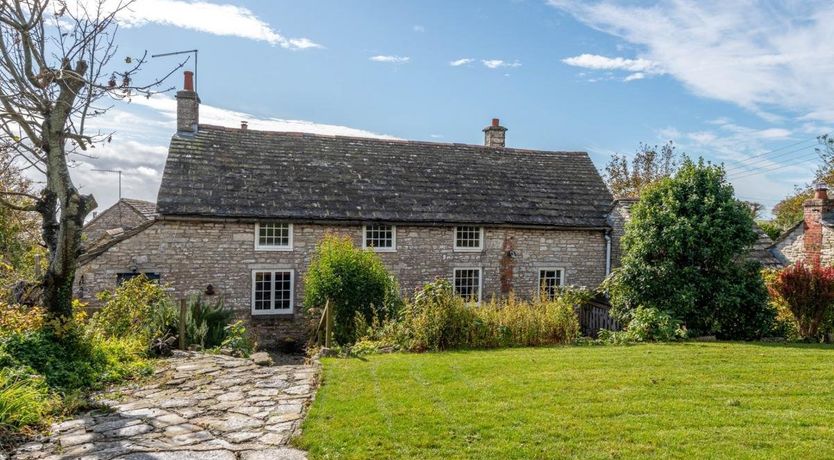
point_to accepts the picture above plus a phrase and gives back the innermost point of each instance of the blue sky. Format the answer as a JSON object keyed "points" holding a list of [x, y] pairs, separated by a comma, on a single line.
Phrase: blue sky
{"points": [[727, 82]]}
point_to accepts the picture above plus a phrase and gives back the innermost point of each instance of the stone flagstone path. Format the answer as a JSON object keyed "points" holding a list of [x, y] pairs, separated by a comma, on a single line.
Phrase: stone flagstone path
{"points": [[197, 406]]}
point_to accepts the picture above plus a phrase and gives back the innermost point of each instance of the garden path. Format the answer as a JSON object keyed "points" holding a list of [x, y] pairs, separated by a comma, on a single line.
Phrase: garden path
{"points": [[198, 406]]}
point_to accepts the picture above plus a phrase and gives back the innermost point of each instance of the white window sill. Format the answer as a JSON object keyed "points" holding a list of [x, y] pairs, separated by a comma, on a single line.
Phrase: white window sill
{"points": [[468, 249], [272, 312], [273, 248]]}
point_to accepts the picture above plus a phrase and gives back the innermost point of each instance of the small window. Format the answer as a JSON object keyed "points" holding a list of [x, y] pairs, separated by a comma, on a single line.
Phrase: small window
{"points": [[467, 282], [469, 238], [272, 292], [380, 237], [122, 277], [273, 236], [550, 279]]}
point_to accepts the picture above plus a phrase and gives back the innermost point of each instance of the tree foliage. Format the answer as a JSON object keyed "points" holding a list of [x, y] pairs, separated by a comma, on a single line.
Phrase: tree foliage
{"points": [[649, 165], [808, 290], [57, 73], [355, 282], [684, 253]]}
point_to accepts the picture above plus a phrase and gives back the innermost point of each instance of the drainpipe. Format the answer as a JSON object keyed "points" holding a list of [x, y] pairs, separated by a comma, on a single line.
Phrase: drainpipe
{"points": [[607, 253]]}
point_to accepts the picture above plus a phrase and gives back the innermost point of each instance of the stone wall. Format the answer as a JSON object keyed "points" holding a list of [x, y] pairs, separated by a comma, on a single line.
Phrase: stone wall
{"points": [[617, 219], [793, 246], [119, 215], [190, 255]]}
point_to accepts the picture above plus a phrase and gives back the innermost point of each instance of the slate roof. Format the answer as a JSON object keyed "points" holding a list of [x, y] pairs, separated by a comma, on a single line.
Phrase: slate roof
{"points": [[248, 174], [146, 208], [761, 249]]}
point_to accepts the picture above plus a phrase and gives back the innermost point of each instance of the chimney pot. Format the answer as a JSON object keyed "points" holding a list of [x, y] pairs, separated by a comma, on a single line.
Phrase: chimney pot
{"points": [[821, 191], [188, 83], [244, 125], [495, 122]]}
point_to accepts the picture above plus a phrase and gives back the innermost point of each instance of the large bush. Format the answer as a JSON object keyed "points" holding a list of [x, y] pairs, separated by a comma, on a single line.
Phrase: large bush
{"points": [[808, 291], [438, 319], [354, 281], [683, 253], [128, 309]]}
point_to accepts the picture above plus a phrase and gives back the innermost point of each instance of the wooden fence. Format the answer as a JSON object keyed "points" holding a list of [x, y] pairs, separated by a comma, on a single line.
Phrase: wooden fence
{"points": [[594, 316]]}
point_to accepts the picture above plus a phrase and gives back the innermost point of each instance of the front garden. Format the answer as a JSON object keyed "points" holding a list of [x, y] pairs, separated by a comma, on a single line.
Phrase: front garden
{"points": [[682, 400]]}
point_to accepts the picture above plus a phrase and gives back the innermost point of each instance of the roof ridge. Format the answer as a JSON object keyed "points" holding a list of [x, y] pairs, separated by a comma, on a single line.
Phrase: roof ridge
{"points": [[386, 140]]}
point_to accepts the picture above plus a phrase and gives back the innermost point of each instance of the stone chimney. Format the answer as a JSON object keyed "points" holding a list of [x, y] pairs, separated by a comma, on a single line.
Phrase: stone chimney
{"points": [[814, 210], [188, 105], [495, 134]]}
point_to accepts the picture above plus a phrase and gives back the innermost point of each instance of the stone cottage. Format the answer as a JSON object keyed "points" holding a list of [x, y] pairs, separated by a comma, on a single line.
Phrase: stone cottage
{"points": [[812, 239], [125, 215], [240, 211]]}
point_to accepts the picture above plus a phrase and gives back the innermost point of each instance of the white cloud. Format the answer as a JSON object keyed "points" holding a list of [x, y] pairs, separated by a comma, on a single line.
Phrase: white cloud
{"points": [[390, 59], [758, 55], [499, 63], [461, 61], [635, 76], [597, 62], [213, 18]]}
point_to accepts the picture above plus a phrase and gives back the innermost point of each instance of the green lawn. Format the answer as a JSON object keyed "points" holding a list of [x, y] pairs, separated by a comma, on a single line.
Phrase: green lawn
{"points": [[688, 400]]}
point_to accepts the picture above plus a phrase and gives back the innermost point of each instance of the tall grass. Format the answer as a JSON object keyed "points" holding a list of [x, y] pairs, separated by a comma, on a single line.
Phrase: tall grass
{"points": [[437, 319], [24, 400]]}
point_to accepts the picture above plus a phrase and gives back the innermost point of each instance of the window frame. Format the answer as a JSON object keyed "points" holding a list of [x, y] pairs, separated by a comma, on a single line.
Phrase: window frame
{"points": [[480, 281], [457, 248], [272, 311], [263, 247], [562, 280], [393, 247]]}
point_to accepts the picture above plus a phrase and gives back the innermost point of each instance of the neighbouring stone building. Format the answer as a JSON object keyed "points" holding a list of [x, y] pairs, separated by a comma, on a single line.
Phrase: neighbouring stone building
{"points": [[239, 213], [125, 215], [812, 239]]}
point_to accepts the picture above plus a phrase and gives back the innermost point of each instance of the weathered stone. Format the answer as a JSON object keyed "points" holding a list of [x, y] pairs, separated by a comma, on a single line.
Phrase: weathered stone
{"points": [[242, 436], [183, 455], [76, 439], [151, 422], [283, 453], [262, 359], [230, 422]]}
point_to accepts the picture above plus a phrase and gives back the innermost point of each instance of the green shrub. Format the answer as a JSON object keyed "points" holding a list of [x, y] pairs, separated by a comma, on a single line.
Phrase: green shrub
{"points": [[74, 360], [128, 309], [238, 340], [24, 399], [646, 325], [206, 323], [684, 252], [354, 281], [438, 319]]}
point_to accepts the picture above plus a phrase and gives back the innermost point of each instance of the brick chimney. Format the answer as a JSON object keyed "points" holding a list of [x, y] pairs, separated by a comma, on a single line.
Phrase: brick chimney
{"points": [[188, 105], [814, 210], [495, 134]]}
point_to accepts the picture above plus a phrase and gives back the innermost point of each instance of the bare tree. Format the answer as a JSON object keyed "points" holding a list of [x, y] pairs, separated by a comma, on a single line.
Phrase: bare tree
{"points": [[650, 164], [57, 72]]}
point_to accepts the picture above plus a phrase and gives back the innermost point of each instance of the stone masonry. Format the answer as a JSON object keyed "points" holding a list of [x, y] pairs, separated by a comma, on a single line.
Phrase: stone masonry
{"points": [[120, 215], [190, 255], [197, 407]]}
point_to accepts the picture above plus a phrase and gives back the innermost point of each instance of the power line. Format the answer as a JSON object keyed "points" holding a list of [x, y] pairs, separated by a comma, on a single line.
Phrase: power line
{"points": [[780, 148], [761, 160], [750, 168], [780, 166]]}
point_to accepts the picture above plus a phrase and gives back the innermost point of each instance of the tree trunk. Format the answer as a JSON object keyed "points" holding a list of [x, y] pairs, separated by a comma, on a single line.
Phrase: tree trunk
{"points": [[63, 209], [65, 247]]}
